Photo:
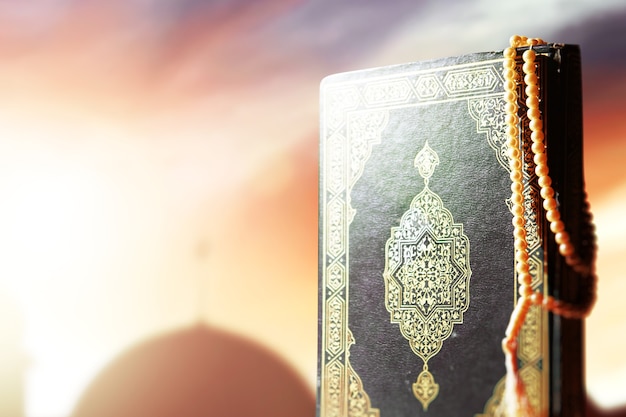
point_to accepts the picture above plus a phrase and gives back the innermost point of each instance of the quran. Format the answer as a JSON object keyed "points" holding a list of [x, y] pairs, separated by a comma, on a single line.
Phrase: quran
{"points": [[417, 276]]}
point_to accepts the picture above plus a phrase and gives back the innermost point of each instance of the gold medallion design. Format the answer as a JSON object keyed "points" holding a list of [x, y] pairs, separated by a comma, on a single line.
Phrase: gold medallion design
{"points": [[427, 275], [425, 388]]}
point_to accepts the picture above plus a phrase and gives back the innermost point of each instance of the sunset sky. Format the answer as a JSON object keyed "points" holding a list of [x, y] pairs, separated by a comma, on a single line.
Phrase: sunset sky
{"points": [[158, 166]]}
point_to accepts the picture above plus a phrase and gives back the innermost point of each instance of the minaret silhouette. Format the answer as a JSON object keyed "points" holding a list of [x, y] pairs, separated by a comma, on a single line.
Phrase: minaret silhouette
{"points": [[12, 358]]}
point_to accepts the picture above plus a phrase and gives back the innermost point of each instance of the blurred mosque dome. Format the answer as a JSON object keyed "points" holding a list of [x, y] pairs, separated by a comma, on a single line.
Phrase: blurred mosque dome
{"points": [[197, 371]]}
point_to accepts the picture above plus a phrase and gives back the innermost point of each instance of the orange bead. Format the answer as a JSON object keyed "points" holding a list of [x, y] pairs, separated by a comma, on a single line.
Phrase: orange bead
{"points": [[522, 268], [566, 249], [545, 181], [536, 298], [509, 74], [548, 302], [515, 164], [510, 95], [573, 260], [541, 170], [526, 291], [562, 238], [512, 142], [524, 279], [538, 147], [536, 125], [513, 153], [517, 221], [537, 136], [510, 108], [511, 119], [557, 226], [532, 102], [546, 192], [508, 63], [553, 215], [510, 53], [522, 258], [514, 41], [529, 55], [516, 175], [520, 244], [549, 204], [531, 79], [533, 113], [517, 187], [540, 158], [510, 85], [512, 130], [529, 67]]}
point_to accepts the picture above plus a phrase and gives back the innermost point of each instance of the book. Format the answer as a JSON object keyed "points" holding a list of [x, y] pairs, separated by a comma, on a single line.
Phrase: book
{"points": [[417, 279]]}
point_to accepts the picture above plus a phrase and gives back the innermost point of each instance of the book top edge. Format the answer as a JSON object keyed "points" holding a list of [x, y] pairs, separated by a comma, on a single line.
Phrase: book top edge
{"points": [[469, 58]]}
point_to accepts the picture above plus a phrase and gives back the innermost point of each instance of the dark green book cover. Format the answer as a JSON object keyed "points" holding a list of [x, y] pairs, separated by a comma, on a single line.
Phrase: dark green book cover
{"points": [[416, 258]]}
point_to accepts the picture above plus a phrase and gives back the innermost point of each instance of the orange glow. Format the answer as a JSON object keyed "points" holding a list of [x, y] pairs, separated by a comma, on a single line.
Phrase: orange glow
{"points": [[120, 157], [160, 169], [605, 153]]}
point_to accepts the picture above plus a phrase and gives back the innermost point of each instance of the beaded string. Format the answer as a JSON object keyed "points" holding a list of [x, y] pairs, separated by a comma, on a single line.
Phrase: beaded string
{"points": [[515, 399]]}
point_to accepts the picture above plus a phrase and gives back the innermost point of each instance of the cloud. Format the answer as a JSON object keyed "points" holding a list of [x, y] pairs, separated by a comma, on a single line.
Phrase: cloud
{"points": [[602, 38], [462, 27], [344, 31]]}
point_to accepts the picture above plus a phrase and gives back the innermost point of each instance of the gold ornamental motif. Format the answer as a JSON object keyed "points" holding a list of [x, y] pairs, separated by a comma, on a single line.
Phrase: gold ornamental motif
{"points": [[425, 388], [427, 273]]}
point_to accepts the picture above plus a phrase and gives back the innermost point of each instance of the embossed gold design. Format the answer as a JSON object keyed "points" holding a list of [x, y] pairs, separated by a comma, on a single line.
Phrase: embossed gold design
{"points": [[348, 145], [471, 80], [532, 350], [494, 403], [427, 274], [531, 375], [425, 388], [427, 87], [387, 92], [364, 129], [359, 403], [345, 117], [489, 115]]}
